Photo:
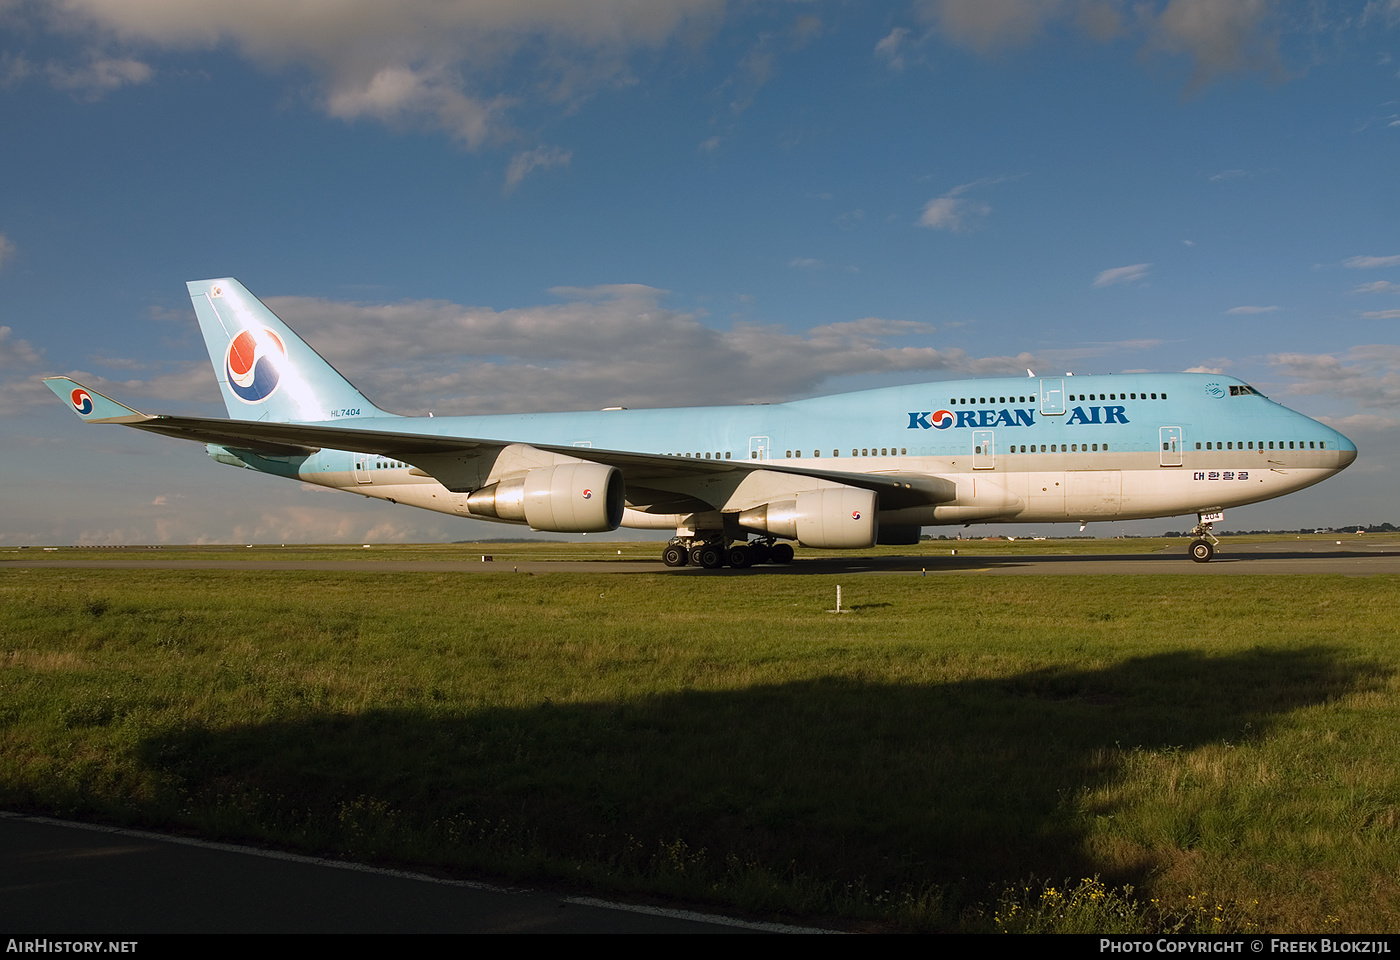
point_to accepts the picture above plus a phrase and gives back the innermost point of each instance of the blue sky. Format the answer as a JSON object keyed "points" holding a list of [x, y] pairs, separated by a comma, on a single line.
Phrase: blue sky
{"points": [[561, 204]]}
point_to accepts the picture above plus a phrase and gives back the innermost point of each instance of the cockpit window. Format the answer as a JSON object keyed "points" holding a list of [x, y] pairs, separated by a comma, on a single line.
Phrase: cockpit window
{"points": [[1241, 390]]}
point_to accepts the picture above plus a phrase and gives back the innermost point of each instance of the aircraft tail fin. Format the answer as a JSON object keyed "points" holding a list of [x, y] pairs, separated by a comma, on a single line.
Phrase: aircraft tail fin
{"points": [[266, 371]]}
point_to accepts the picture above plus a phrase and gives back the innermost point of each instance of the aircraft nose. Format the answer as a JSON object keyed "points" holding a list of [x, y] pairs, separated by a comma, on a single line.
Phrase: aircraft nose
{"points": [[1346, 452]]}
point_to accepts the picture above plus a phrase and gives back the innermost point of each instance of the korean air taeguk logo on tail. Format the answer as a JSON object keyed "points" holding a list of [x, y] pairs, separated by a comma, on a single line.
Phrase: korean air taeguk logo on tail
{"points": [[253, 364], [81, 401]]}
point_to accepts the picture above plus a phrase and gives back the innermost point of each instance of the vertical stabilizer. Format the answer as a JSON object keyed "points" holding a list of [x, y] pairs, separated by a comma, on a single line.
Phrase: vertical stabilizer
{"points": [[266, 371]]}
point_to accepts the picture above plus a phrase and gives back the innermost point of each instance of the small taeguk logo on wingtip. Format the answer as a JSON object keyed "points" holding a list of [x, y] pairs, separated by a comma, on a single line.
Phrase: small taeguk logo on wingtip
{"points": [[81, 401], [252, 364], [588, 493]]}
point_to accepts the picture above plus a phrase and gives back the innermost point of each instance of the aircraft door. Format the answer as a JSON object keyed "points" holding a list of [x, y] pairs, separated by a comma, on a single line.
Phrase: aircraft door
{"points": [[1171, 447], [1052, 396], [362, 468], [983, 450], [758, 448]]}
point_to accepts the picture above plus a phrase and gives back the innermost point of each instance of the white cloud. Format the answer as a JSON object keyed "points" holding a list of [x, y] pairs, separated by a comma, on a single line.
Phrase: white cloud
{"points": [[1381, 315], [953, 211], [1216, 371], [16, 353], [7, 248], [1249, 310], [408, 62], [605, 346], [1378, 286], [99, 76], [189, 383], [986, 25], [1220, 36], [892, 47], [1362, 423], [398, 95], [1129, 274], [1217, 36], [1368, 375], [1367, 263], [522, 164]]}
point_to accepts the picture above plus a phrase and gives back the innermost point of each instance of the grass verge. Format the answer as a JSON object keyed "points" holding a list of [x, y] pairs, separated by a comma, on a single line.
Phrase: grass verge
{"points": [[1230, 756]]}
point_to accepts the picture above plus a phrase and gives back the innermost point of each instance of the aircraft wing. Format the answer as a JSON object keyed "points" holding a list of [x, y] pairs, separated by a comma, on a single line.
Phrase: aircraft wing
{"points": [[436, 455]]}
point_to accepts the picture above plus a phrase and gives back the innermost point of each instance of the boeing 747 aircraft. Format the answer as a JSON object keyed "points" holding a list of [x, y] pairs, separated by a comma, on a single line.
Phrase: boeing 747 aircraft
{"points": [[737, 483]]}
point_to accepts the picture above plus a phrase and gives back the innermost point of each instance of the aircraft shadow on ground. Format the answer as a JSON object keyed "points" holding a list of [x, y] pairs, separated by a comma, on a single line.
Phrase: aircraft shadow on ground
{"points": [[839, 779]]}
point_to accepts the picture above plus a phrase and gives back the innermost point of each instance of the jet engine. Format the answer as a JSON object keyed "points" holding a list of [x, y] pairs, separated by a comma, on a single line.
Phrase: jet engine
{"points": [[832, 517], [569, 498]]}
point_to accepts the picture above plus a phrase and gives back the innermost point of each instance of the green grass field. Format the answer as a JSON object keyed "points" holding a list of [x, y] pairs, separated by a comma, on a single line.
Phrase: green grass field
{"points": [[1050, 753]]}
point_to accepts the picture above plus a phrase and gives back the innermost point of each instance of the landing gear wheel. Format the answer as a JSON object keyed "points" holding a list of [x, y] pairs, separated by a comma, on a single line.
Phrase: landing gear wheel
{"points": [[781, 553], [711, 557], [675, 556], [739, 557], [1202, 551]]}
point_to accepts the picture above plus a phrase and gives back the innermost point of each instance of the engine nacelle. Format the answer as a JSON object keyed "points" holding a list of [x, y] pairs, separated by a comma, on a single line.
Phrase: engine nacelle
{"points": [[838, 518], [569, 498]]}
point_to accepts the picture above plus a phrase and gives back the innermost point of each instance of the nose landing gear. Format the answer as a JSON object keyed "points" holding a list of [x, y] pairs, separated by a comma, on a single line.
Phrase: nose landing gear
{"points": [[1205, 542]]}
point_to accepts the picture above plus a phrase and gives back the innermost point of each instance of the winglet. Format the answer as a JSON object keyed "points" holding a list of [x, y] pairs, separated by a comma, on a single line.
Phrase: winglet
{"points": [[92, 406]]}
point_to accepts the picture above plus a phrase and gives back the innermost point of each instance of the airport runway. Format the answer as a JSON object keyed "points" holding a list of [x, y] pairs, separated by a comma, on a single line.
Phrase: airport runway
{"points": [[60, 880], [1350, 557]]}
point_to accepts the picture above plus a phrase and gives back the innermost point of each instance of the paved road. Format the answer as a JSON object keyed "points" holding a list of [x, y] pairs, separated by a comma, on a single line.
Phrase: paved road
{"points": [[61, 880], [1352, 556]]}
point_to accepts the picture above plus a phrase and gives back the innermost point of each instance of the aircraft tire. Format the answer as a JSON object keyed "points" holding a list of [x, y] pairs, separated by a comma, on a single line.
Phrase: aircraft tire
{"points": [[759, 553], [711, 557], [739, 557], [675, 556], [1202, 551], [781, 553]]}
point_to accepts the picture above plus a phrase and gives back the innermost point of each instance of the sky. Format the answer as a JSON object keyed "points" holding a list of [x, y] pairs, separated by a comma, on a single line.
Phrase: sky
{"points": [[480, 206]]}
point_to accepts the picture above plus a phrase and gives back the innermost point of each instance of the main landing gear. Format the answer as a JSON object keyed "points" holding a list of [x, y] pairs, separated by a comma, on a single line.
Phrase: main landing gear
{"points": [[713, 554], [1204, 544]]}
